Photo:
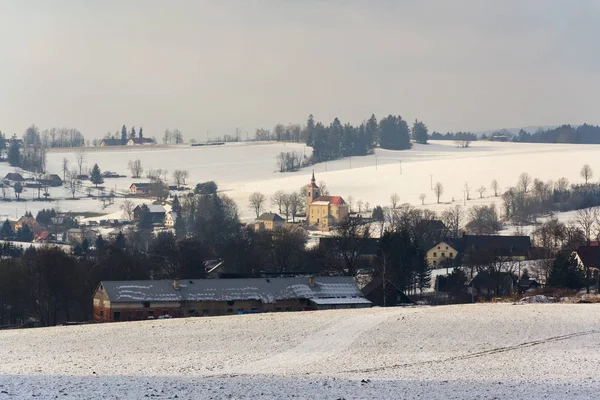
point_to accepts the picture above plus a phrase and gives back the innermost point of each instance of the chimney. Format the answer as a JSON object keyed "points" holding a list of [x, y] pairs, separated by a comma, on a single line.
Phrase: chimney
{"points": [[176, 283], [311, 281]]}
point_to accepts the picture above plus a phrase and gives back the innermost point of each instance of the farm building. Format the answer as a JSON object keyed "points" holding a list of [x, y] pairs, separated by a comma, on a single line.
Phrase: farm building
{"points": [[139, 188], [137, 300]]}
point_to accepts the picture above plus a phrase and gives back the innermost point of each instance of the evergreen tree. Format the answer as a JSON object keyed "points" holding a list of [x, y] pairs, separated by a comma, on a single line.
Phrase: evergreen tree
{"points": [[14, 153], [565, 273], [372, 132], [309, 132], [6, 233], [144, 218], [176, 205], [132, 136], [100, 244], [120, 241], [394, 133], [180, 231], [18, 188], [24, 234], [124, 135], [141, 133], [419, 132], [96, 175]]}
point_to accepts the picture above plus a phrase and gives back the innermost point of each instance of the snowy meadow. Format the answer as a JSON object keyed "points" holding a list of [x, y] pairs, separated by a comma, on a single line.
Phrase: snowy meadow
{"points": [[480, 351]]}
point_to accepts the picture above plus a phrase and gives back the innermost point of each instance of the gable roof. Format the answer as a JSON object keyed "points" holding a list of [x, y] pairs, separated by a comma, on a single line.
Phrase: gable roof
{"points": [[265, 290], [140, 185], [330, 200], [14, 176], [269, 216], [515, 246], [140, 140], [589, 256], [111, 142], [485, 280], [153, 208]]}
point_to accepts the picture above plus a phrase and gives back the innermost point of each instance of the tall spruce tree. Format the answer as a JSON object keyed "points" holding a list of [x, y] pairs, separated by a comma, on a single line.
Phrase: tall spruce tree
{"points": [[394, 133], [133, 134], [419, 132], [565, 273], [6, 233], [96, 175], [124, 135], [141, 133], [14, 153]]}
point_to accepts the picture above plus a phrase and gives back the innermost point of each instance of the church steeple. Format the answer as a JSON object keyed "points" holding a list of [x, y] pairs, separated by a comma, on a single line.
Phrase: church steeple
{"points": [[312, 190]]}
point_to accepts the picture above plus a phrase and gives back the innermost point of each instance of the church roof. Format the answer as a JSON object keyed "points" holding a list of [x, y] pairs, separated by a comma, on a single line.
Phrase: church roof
{"points": [[332, 200]]}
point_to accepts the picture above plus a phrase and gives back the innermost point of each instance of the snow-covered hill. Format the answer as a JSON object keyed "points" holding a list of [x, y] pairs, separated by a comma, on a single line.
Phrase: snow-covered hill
{"points": [[243, 168], [481, 351]]}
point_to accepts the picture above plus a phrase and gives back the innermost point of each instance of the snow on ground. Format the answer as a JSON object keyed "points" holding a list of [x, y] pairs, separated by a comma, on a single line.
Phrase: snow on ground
{"points": [[243, 168], [480, 351]]}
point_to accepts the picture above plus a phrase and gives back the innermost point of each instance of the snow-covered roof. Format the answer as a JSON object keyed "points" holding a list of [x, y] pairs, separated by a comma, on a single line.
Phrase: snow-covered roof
{"points": [[267, 290], [344, 300], [156, 208]]}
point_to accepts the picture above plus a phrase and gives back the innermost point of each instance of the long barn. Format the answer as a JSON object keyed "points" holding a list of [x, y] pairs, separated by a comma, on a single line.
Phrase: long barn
{"points": [[139, 300]]}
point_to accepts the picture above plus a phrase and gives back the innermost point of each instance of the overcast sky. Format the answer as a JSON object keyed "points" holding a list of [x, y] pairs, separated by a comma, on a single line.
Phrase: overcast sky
{"points": [[217, 65]]}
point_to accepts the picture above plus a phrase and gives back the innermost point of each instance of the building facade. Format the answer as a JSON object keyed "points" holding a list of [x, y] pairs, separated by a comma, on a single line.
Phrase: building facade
{"points": [[139, 300], [324, 212]]}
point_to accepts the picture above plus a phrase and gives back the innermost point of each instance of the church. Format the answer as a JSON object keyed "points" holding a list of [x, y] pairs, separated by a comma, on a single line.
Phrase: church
{"points": [[324, 212]]}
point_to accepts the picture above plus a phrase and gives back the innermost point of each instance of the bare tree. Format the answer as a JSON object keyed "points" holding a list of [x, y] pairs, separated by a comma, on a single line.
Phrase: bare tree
{"points": [[179, 177], [135, 167], [350, 202], [80, 156], [73, 183], [324, 190], [438, 189], [422, 198], [495, 187], [587, 219], [524, 182], [177, 136], [562, 184], [587, 173], [65, 168], [360, 204], [467, 190], [394, 200], [167, 136], [453, 218], [296, 204], [481, 191], [184, 175], [256, 201], [127, 208], [278, 199]]}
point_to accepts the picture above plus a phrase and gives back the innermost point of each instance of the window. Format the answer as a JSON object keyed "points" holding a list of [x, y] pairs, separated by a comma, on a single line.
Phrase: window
{"points": [[450, 254], [240, 310], [230, 310], [434, 262], [139, 313], [438, 247], [151, 313], [146, 304], [101, 314], [165, 312], [117, 316], [230, 302], [434, 254], [446, 247], [443, 254]]}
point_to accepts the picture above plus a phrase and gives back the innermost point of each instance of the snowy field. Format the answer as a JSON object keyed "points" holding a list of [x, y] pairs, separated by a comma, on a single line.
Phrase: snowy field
{"points": [[243, 168], [482, 351]]}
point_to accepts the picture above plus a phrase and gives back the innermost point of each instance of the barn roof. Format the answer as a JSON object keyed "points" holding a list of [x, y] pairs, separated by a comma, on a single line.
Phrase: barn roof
{"points": [[269, 216], [267, 290]]}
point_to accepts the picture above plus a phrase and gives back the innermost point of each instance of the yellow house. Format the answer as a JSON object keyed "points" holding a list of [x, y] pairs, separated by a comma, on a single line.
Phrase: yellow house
{"points": [[441, 252], [268, 222], [324, 212], [480, 249]]}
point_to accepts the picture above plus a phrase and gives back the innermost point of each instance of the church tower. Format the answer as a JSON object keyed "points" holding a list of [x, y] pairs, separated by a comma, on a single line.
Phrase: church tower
{"points": [[312, 192]]}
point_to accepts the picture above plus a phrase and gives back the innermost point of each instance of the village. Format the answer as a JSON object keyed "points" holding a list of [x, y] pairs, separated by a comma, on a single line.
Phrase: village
{"points": [[325, 254]]}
